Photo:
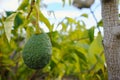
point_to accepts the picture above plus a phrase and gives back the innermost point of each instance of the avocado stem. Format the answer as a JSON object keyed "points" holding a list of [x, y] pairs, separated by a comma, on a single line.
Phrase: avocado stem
{"points": [[38, 29]]}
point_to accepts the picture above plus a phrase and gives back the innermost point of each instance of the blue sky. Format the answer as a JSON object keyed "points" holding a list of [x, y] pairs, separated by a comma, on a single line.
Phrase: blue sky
{"points": [[71, 11], [59, 11]]}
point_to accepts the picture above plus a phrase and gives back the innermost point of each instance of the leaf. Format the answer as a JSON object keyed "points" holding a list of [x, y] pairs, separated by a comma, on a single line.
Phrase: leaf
{"points": [[29, 32], [80, 55], [82, 35], [100, 23], [99, 59], [95, 48], [85, 15], [55, 44], [64, 27], [98, 76], [8, 25], [52, 65], [23, 5], [7, 61], [63, 2], [45, 20], [70, 57], [70, 2], [19, 20], [8, 13], [56, 56], [91, 34], [4, 46], [71, 20]]}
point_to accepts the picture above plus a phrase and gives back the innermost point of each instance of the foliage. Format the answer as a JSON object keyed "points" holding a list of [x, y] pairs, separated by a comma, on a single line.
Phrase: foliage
{"points": [[77, 52]]}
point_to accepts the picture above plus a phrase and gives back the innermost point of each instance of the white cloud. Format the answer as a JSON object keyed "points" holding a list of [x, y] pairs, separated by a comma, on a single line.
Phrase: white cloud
{"points": [[8, 5], [61, 14]]}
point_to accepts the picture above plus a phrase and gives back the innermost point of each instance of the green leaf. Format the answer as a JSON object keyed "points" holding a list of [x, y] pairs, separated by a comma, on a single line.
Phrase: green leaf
{"points": [[52, 65], [80, 55], [64, 27], [85, 15], [99, 59], [70, 2], [4, 45], [23, 5], [29, 32], [45, 20], [8, 13], [7, 61], [19, 20], [98, 76], [55, 44], [63, 2], [91, 34], [71, 20], [100, 23], [95, 48], [8, 25]]}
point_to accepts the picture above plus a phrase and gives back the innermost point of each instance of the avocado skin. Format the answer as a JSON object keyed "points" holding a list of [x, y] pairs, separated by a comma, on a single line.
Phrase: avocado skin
{"points": [[37, 51]]}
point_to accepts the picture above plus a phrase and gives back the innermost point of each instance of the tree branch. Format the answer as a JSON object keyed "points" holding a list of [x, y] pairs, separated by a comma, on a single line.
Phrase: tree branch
{"points": [[31, 8], [95, 19]]}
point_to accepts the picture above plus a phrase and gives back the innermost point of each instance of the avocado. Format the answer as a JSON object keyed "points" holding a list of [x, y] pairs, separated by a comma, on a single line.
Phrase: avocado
{"points": [[37, 51]]}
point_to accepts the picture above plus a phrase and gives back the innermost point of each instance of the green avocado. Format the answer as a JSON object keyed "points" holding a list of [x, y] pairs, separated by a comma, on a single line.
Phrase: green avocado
{"points": [[37, 51]]}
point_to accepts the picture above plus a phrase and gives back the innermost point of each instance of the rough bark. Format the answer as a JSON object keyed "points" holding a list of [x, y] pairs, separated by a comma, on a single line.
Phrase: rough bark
{"points": [[111, 38]]}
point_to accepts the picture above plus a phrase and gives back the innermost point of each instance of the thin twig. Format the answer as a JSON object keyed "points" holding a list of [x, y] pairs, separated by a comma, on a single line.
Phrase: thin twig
{"points": [[34, 75], [31, 8], [13, 55], [95, 19]]}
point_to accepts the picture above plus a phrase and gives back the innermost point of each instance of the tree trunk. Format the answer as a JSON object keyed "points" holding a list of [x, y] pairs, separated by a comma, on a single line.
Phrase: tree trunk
{"points": [[111, 38]]}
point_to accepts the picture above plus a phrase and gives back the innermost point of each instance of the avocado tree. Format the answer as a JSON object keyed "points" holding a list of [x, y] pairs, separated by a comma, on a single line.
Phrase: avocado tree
{"points": [[111, 37], [76, 52]]}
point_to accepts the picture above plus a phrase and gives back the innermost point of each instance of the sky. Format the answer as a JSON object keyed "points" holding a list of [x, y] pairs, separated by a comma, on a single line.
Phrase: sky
{"points": [[59, 11], [71, 11]]}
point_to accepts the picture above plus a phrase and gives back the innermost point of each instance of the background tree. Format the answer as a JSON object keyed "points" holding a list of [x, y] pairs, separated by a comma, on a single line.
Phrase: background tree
{"points": [[111, 37]]}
